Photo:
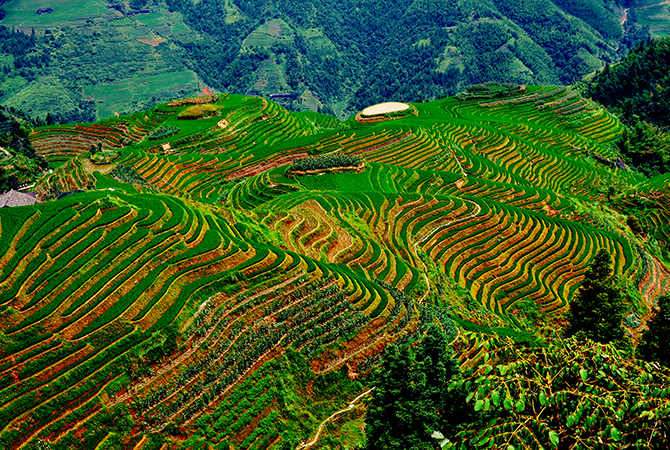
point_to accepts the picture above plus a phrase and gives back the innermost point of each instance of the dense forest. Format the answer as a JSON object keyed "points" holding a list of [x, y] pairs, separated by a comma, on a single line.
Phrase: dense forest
{"points": [[637, 87], [638, 90], [410, 50], [19, 163], [337, 56]]}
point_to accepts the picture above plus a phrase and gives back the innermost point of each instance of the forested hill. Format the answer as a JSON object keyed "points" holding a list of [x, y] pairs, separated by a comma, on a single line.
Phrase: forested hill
{"points": [[639, 85], [638, 90], [335, 55]]}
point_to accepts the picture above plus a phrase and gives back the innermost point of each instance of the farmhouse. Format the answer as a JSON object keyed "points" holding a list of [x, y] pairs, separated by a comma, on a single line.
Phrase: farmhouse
{"points": [[44, 11], [283, 95], [15, 198]]}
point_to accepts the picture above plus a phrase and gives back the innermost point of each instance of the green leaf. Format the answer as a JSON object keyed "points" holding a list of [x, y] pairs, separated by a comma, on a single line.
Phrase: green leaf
{"points": [[503, 370], [553, 437], [510, 447], [479, 404], [543, 398], [615, 434], [495, 396], [520, 405], [507, 403], [584, 374]]}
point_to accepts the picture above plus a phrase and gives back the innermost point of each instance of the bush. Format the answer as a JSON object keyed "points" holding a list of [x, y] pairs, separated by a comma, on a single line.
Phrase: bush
{"points": [[162, 132], [198, 112], [323, 162], [128, 174]]}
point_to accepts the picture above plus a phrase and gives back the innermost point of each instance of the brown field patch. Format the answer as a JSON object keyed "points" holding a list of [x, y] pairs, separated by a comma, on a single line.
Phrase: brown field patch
{"points": [[90, 168], [274, 28], [154, 42]]}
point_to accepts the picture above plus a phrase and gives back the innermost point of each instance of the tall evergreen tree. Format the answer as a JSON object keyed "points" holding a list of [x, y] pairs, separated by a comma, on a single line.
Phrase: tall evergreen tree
{"points": [[655, 344], [411, 401], [598, 309]]}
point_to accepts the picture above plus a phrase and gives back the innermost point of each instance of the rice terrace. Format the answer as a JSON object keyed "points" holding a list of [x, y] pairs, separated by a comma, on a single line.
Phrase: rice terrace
{"points": [[236, 276]]}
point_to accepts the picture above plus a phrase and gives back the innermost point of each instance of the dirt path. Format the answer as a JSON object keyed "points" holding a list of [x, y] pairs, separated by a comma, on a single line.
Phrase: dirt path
{"points": [[666, 2], [348, 356], [349, 407]]}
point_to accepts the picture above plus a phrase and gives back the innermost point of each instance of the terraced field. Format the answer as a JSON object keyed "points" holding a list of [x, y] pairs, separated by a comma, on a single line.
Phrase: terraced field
{"points": [[218, 300]]}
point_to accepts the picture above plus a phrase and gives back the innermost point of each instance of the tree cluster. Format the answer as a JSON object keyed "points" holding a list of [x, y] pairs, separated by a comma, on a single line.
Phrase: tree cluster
{"points": [[639, 86], [322, 162], [127, 174], [638, 90], [598, 309], [411, 401]]}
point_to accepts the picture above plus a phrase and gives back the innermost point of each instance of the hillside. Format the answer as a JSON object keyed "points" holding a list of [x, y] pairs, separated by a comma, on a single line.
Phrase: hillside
{"points": [[91, 59], [206, 284]]}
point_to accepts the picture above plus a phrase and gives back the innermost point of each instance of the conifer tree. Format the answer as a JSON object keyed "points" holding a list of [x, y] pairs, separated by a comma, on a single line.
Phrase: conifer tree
{"points": [[655, 344], [598, 309], [411, 400]]}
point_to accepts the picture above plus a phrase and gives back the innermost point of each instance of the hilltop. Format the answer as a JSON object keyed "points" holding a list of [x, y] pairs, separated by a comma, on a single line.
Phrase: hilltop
{"points": [[229, 272], [88, 60]]}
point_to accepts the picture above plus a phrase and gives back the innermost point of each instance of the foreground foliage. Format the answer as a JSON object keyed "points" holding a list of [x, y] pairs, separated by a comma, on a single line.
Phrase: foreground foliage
{"points": [[597, 311], [410, 401], [565, 394]]}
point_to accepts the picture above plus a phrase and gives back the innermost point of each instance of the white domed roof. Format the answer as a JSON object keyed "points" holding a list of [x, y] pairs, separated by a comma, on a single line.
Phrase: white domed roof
{"points": [[384, 108]]}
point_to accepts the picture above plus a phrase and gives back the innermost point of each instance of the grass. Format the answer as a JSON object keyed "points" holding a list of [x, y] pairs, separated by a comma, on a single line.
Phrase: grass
{"points": [[116, 95], [21, 14], [198, 112], [271, 32]]}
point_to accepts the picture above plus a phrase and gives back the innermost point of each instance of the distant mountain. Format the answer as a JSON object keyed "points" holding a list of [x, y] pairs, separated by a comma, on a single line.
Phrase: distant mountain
{"points": [[638, 86], [336, 56], [638, 91]]}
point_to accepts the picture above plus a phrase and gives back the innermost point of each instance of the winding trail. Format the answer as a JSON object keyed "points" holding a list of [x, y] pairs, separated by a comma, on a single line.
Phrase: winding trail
{"points": [[349, 407]]}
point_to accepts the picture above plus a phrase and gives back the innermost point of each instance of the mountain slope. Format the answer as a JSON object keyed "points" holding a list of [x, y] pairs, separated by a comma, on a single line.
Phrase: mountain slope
{"points": [[338, 56], [207, 291]]}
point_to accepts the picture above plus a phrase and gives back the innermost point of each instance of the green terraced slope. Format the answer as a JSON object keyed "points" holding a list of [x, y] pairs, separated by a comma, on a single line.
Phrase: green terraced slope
{"points": [[222, 300]]}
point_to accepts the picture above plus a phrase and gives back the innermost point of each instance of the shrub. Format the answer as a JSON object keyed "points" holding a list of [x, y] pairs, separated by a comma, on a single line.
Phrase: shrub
{"points": [[128, 174], [323, 162], [162, 132], [198, 112]]}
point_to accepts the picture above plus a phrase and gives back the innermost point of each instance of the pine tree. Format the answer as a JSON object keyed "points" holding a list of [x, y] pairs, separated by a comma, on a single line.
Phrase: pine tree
{"points": [[656, 340], [411, 401], [598, 309]]}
